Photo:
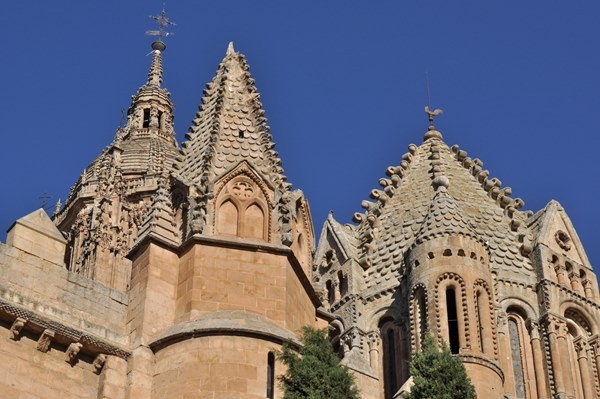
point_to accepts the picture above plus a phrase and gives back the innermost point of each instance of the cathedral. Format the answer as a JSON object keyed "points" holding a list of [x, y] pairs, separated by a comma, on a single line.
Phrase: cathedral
{"points": [[177, 270]]}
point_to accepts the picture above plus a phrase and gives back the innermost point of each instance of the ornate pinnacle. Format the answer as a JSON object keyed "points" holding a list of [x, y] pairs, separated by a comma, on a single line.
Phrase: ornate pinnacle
{"points": [[155, 73], [158, 46]]}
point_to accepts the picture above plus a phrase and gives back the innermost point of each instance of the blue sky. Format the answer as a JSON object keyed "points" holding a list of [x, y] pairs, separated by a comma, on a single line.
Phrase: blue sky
{"points": [[342, 82]]}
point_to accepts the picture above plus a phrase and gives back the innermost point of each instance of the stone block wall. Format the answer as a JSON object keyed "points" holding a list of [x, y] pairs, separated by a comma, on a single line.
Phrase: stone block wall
{"points": [[214, 367], [26, 372], [49, 290]]}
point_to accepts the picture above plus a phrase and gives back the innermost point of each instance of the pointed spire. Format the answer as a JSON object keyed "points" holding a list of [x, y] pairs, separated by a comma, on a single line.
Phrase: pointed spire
{"points": [[156, 70], [230, 49], [231, 128], [445, 217], [160, 220]]}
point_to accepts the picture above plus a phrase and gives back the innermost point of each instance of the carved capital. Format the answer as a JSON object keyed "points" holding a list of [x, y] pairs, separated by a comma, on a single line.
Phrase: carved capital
{"points": [[501, 320], [594, 343], [43, 344], [15, 329], [72, 352], [534, 329], [557, 326], [581, 347], [373, 338]]}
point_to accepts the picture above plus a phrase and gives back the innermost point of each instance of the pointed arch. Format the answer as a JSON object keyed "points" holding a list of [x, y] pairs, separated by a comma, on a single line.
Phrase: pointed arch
{"points": [[227, 218], [253, 223], [521, 354], [252, 198], [452, 313]]}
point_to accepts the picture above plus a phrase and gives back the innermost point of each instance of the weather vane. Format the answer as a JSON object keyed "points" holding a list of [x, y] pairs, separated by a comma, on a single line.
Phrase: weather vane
{"points": [[162, 21], [431, 114]]}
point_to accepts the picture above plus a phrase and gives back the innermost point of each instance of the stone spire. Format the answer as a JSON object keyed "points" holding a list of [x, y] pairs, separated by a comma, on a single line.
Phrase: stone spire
{"points": [[230, 132], [120, 189], [445, 216], [231, 128], [156, 70]]}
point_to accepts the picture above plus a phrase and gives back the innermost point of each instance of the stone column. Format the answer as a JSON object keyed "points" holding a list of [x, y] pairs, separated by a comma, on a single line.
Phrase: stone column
{"points": [[596, 347], [581, 347], [538, 359], [559, 384], [505, 354], [588, 288], [563, 349], [575, 283], [560, 273], [374, 342]]}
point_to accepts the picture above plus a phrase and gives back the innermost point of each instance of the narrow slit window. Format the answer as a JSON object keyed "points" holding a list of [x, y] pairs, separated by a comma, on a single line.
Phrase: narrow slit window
{"points": [[479, 320], [452, 321], [270, 375], [241, 134], [390, 354], [146, 122]]}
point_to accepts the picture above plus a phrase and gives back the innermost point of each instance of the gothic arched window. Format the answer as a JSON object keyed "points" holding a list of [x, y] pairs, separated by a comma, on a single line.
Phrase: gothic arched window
{"points": [[581, 369], [241, 210], [391, 358], [521, 355]]}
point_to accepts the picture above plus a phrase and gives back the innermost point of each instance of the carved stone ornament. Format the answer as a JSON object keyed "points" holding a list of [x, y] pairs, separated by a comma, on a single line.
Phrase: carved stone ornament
{"points": [[72, 352], [15, 329], [43, 344], [243, 190], [99, 362], [563, 240]]}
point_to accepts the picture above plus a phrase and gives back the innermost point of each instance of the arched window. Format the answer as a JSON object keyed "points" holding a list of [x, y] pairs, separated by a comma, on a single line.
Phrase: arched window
{"points": [[521, 355], [451, 310], [254, 222], [396, 352], [390, 340], [228, 218], [270, 375], [419, 311], [330, 292], [486, 332], [516, 352], [452, 318], [241, 209], [579, 332], [343, 282]]}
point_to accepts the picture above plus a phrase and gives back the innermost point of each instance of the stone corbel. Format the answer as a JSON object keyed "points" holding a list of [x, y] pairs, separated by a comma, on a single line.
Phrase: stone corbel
{"points": [[72, 352], [43, 344], [99, 362], [15, 329]]}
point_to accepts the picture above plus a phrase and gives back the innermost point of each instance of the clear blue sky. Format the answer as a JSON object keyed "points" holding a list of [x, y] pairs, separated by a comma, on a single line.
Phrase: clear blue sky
{"points": [[342, 82]]}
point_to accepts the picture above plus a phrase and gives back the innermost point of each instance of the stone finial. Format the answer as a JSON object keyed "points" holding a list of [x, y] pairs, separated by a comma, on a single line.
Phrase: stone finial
{"points": [[230, 49], [432, 133], [43, 344], [440, 181], [72, 352], [15, 329]]}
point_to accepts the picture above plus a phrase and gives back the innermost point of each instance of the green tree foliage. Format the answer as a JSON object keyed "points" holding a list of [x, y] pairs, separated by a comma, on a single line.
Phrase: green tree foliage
{"points": [[315, 372], [438, 374]]}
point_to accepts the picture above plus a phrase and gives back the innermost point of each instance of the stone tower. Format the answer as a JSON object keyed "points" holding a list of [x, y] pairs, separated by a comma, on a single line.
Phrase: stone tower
{"points": [[444, 248], [168, 272]]}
